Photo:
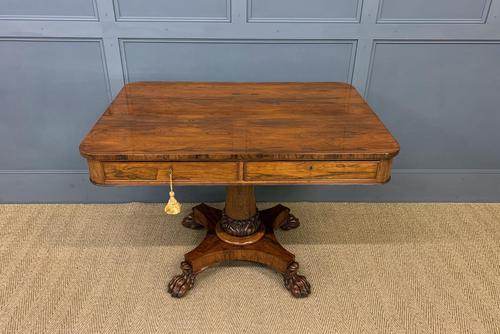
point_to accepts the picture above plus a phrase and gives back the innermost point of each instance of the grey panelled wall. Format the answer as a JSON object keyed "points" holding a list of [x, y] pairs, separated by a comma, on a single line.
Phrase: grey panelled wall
{"points": [[45, 102], [433, 11], [430, 69], [256, 60], [180, 10], [48, 10]]}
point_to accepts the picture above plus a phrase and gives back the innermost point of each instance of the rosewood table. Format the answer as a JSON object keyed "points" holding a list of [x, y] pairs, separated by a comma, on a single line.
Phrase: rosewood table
{"points": [[239, 135]]}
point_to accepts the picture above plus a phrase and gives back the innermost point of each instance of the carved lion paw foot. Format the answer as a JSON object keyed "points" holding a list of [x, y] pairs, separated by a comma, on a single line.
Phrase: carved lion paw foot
{"points": [[189, 222], [296, 284], [182, 283], [290, 223]]}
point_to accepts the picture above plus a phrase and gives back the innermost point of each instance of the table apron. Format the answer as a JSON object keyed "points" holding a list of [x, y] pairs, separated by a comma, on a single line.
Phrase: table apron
{"points": [[129, 173]]}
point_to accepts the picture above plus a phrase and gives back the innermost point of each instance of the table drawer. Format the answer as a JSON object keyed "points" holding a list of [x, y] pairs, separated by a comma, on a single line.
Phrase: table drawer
{"points": [[158, 172], [313, 171]]}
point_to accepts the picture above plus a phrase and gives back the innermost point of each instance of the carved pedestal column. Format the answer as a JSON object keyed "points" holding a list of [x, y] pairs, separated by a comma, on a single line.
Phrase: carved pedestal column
{"points": [[240, 232], [240, 217]]}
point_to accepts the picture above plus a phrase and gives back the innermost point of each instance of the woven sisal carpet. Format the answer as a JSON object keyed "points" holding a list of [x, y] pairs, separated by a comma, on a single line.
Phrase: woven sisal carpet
{"points": [[375, 268]]}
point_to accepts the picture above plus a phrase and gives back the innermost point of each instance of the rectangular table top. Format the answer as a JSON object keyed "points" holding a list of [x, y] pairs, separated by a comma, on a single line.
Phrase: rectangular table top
{"points": [[202, 121]]}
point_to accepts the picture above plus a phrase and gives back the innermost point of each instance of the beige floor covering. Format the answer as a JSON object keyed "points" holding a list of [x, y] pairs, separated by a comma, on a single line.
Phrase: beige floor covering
{"points": [[374, 268]]}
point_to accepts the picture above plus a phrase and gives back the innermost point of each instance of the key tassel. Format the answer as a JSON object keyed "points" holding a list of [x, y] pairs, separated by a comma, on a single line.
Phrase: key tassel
{"points": [[173, 207]]}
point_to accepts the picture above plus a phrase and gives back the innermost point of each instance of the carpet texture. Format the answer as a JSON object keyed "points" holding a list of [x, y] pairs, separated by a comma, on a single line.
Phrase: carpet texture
{"points": [[374, 268]]}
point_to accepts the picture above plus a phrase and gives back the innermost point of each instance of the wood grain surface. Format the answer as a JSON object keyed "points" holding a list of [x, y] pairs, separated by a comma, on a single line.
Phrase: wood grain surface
{"points": [[188, 121]]}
